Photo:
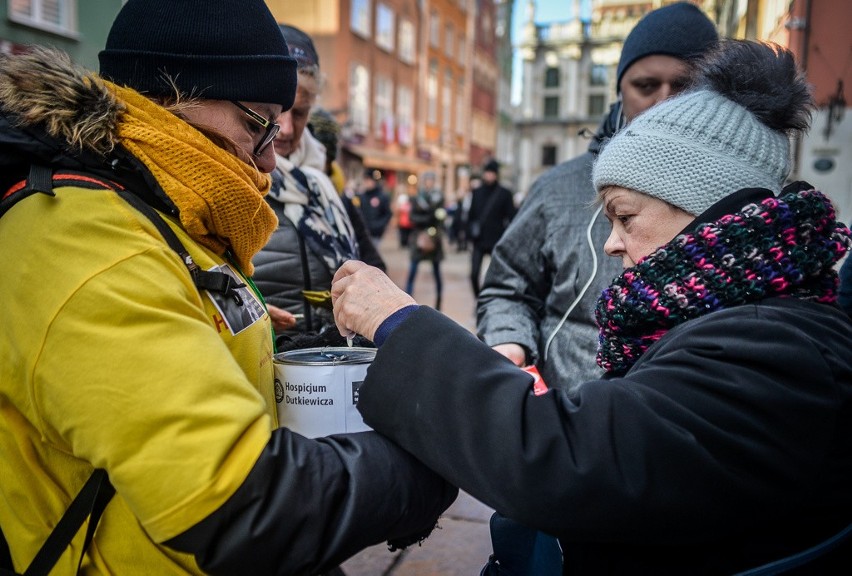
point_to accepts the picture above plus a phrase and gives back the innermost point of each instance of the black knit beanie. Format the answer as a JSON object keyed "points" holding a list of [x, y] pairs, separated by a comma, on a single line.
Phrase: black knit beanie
{"points": [[301, 46], [212, 49], [681, 30], [492, 166]]}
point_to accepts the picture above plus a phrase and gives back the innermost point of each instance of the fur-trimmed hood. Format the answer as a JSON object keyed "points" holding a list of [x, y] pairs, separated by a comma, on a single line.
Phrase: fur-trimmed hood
{"points": [[58, 114], [43, 89]]}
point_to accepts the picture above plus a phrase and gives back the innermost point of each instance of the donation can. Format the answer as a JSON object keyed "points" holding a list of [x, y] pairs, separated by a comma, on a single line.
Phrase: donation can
{"points": [[316, 389]]}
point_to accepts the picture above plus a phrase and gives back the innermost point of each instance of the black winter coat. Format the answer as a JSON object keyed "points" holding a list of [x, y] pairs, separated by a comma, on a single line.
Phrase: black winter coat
{"points": [[727, 445], [491, 210], [376, 210], [427, 217]]}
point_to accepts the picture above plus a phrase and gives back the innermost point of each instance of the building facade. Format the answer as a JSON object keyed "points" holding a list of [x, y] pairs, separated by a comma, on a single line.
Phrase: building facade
{"points": [[369, 54], [486, 75], [446, 71], [817, 32], [568, 82], [414, 83], [77, 27], [505, 147]]}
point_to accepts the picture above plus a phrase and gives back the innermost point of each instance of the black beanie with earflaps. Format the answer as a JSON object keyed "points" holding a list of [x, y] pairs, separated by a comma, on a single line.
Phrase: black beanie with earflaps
{"points": [[211, 49]]}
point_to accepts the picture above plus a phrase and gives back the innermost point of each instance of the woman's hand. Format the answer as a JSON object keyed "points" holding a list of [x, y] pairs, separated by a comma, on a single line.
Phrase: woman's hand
{"points": [[281, 319], [363, 297], [514, 352]]}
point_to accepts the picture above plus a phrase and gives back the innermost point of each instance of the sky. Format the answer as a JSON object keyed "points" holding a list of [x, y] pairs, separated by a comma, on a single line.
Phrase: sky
{"points": [[545, 11]]}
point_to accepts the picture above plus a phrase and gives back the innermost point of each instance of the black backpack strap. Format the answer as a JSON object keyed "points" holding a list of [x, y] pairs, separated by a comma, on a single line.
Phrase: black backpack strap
{"points": [[90, 503], [203, 279], [5, 557], [42, 179], [39, 181]]}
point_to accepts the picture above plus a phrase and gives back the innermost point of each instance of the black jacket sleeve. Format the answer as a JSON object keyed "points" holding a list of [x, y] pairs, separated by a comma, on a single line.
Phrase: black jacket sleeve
{"points": [[307, 505], [714, 423]]}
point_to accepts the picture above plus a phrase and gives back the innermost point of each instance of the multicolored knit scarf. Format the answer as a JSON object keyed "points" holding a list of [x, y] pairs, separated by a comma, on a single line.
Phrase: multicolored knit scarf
{"points": [[785, 246]]}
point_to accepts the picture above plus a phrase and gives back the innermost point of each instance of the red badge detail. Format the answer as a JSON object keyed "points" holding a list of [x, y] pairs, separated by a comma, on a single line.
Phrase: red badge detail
{"points": [[539, 387]]}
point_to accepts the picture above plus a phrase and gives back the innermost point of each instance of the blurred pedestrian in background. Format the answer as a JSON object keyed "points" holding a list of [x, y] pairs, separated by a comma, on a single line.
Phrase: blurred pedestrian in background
{"points": [[326, 129], [537, 301], [719, 439], [492, 207], [374, 203], [427, 242], [403, 219], [136, 359], [463, 213]]}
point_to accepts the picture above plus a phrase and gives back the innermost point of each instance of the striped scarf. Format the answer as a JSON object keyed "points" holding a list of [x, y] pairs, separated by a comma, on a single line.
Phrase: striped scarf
{"points": [[780, 247]]}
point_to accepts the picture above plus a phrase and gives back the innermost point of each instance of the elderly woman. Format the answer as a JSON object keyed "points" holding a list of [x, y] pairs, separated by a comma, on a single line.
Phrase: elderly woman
{"points": [[315, 234], [721, 436], [132, 344]]}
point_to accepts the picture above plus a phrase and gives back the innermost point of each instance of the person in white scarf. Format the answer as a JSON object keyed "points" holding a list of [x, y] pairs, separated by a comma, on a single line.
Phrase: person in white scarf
{"points": [[315, 235]]}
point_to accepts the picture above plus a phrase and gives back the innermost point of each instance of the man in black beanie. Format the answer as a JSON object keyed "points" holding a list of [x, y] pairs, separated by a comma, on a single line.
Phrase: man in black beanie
{"points": [[537, 300], [667, 38], [137, 367]]}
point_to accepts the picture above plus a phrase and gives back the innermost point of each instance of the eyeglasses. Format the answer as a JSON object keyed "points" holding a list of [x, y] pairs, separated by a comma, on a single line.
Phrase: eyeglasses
{"points": [[271, 127]]}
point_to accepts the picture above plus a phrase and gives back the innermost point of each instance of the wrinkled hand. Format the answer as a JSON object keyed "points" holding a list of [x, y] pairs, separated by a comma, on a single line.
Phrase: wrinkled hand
{"points": [[281, 319], [363, 297], [512, 351]]}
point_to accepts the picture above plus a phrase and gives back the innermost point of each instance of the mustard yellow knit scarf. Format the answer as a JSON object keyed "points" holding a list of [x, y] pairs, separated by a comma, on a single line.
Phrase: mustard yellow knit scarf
{"points": [[219, 196]]}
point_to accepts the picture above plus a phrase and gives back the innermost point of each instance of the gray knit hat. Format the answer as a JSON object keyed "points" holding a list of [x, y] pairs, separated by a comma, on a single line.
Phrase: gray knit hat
{"points": [[693, 150]]}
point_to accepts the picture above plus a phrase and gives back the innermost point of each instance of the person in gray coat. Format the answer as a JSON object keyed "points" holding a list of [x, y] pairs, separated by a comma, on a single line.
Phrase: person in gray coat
{"points": [[548, 269]]}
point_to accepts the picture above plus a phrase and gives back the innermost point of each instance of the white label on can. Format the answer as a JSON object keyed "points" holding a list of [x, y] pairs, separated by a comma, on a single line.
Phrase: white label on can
{"points": [[319, 400]]}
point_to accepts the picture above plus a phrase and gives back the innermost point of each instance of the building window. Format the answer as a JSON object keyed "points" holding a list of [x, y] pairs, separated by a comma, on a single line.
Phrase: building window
{"points": [[434, 29], [384, 27], [359, 100], [383, 102], [360, 17], [447, 103], [462, 50], [596, 104], [551, 77], [551, 106], [461, 109], [450, 40], [486, 29], [599, 75], [405, 115], [548, 155], [53, 15], [432, 94], [406, 41]]}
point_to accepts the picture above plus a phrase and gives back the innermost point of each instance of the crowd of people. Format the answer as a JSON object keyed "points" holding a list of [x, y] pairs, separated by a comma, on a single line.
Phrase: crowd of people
{"points": [[175, 220]]}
